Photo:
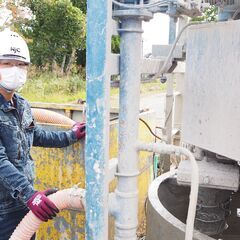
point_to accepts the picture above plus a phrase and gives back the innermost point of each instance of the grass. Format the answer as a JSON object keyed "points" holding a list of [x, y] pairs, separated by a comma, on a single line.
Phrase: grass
{"points": [[49, 87]]}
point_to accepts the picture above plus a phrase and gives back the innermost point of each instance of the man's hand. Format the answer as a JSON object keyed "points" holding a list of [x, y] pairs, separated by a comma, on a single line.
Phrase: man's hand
{"points": [[79, 130], [41, 206]]}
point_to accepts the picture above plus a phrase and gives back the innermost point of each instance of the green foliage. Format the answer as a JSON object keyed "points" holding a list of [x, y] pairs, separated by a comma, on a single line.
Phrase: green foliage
{"points": [[13, 13], [81, 57], [116, 44], [81, 53], [81, 4], [209, 15], [57, 30]]}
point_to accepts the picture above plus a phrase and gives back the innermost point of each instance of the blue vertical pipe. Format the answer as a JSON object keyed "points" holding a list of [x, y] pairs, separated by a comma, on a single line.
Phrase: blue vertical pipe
{"points": [[97, 139], [172, 30]]}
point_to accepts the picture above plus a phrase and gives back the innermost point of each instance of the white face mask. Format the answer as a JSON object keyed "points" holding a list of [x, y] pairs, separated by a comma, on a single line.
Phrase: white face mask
{"points": [[12, 78]]}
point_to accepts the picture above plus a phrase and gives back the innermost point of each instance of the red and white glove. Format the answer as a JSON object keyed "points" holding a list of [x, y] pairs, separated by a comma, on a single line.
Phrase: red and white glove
{"points": [[41, 206], [79, 130]]}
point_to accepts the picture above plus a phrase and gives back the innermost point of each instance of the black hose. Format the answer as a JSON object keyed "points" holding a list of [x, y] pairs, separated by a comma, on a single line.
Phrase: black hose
{"points": [[145, 123]]}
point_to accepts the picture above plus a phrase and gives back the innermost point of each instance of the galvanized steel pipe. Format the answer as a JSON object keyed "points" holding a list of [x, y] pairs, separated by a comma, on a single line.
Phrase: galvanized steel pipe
{"points": [[172, 149], [127, 190]]}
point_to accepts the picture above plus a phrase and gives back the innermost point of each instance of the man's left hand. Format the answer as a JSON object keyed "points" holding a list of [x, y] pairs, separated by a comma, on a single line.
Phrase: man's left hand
{"points": [[79, 130]]}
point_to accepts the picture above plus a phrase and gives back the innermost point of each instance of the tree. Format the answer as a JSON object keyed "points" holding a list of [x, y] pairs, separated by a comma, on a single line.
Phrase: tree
{"points": [[81, 4], [12, 13], [81, 53], [56, 32]]}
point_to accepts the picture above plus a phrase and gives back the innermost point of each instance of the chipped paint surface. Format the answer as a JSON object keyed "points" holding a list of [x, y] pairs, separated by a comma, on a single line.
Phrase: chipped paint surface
{"points": [[97, 140]]}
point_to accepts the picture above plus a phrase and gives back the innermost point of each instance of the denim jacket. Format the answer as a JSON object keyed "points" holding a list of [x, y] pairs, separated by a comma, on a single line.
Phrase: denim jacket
{"points": [[18, 133]]}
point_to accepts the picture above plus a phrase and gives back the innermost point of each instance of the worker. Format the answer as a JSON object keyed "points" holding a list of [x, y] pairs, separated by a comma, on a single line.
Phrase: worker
{"points": [[18, 133]]}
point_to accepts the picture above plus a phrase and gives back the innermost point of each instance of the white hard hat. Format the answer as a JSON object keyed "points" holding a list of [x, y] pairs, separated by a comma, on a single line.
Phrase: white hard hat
{"points": [[13, 47]]}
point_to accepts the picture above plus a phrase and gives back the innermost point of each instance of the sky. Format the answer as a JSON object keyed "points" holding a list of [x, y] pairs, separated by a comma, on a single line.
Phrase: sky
{"points": [[155, 32]]}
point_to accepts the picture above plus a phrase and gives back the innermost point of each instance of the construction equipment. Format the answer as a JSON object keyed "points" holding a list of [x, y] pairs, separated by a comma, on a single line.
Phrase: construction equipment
{"points": [[208, 122]]}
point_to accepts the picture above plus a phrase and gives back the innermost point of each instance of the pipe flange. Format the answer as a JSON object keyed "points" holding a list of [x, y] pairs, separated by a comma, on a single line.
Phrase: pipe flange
{"points": [[126, 195], [134, 174], [126, 227], [120, 30], [142, 14]]}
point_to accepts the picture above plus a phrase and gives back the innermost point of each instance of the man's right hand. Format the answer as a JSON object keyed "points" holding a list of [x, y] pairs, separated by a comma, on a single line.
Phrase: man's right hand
{"points": [[42, 206]]}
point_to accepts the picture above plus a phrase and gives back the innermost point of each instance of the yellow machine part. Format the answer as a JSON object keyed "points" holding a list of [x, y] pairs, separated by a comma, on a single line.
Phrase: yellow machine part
{"points": [[64, 168]]}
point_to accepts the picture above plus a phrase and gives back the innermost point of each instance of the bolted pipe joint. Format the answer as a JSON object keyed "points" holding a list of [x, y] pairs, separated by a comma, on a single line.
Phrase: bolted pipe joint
{"points": [[125, 224]]}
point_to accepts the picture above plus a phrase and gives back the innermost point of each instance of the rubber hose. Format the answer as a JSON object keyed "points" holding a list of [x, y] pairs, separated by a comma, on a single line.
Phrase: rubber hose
{"points": [[47, 116], [65, 199]]}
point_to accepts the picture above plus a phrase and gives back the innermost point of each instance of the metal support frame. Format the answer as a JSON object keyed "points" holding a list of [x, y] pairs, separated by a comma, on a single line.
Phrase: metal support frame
{"points": [[172, 30], [169, 97], [178, 75], [101, 64], [97, 139]]}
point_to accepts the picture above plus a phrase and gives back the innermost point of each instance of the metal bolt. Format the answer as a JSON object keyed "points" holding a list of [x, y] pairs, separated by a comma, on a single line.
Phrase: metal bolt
{"points": [[238, 212], [163, 79]]}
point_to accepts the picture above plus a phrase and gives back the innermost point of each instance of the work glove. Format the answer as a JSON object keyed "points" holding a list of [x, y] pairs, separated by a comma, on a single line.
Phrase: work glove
{"points": [[41, 206], [79, 130]]}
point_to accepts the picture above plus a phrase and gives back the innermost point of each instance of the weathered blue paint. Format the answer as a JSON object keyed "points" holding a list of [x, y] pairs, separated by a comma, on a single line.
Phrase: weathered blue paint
{"points": [[97, 139]]}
